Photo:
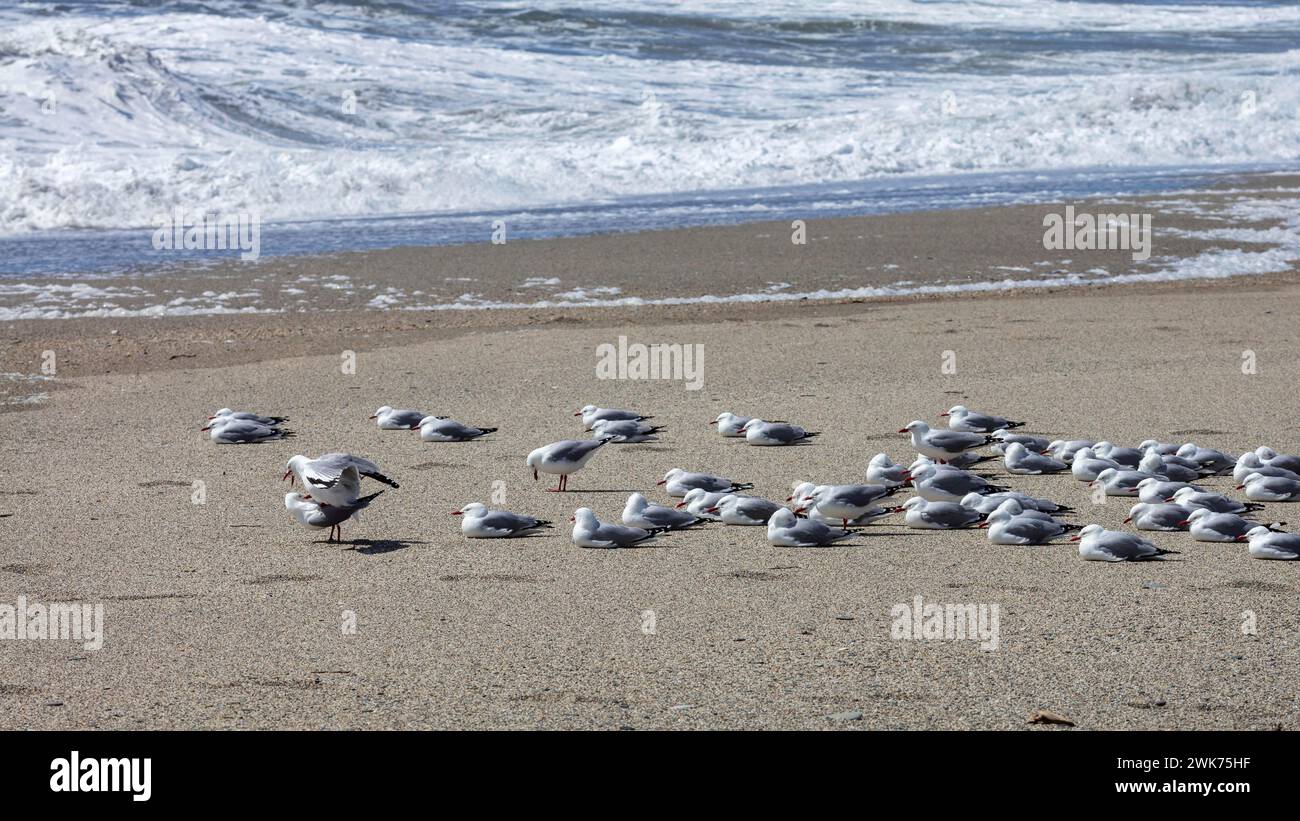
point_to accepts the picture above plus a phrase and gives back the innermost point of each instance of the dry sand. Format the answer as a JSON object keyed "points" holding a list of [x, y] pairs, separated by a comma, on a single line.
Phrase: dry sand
{"points": [[228, 614]]}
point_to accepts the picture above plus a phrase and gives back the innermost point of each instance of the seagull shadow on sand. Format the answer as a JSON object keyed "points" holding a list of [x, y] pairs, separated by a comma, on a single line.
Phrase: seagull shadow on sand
{"points": [[373, 547]]}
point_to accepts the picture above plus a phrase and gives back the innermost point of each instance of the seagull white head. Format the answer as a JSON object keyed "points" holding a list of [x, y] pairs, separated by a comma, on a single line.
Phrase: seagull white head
{"points": [[1265, 452], [1136, 511], [782, 518], [294, 466], [385, 409], [1253, 533], [473, 510], [1254, 477], [670, 475], [881, 460], [584, 518], [955, 410], [725, 502], [584, 410], [915, 427], [802, 492], [1090, 530]]}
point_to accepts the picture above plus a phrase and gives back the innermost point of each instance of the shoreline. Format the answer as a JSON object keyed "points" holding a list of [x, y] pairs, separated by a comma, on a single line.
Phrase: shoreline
{"points": [[996, 247]]}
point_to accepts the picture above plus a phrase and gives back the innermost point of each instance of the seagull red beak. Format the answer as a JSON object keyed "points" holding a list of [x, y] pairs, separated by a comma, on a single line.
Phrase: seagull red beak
{"points": [[662, 482], [789, 498], [1076, 538], [902, 430], [710, 510], [680, 504], [413, 427], [945, 413], [534, 474], [573, 518], [1129, 519], [374, 416], [576, 413], [798, 510], [288, 474], [1239, 487], [1184, 522], [210, 418], [457, 513], [207, 427], [1243, 538]]}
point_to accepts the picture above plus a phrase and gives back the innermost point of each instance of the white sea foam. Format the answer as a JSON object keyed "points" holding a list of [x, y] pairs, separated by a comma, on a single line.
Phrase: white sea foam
{"points": [[113, 118]]}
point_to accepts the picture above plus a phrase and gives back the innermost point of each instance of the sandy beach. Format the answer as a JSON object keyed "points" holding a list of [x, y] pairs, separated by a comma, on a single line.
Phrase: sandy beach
{"points": [[227, 614]]}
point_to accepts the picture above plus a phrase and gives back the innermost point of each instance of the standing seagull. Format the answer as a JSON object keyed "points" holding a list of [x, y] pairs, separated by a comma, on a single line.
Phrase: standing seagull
{"points": [[227, 431], [640, 513], [785, 529], [481, 523], [1096, 544], [335, 478], [319, 516], [964, 419], [563, 458], [588, 531], [388, 419], [442, 429], [942, 444], [758, 432], [1272, 544]]}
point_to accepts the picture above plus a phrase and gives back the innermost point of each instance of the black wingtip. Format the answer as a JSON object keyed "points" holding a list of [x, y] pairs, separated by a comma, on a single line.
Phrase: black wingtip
{"points": [[742, 485], [1011, 425], [488, 430]]}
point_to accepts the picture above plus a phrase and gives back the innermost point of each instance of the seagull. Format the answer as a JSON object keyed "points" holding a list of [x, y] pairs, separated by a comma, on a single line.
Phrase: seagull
{"points": [[442, 429], [937, 483], [1208, 526], [1086, 465], [627, 431], [1018, 459], [1170, 467], [1278, 460], [1064, 449], [591, 414], [335, 478], [987, 503], [269, 421], [1214, 461], [845, 502], [1127, 457], [785, 529], [1260, 488], [225, 431], [481, 523], [881, 470], [1155, 491], [735, 509], [677, 482], [588, 531], [1011, 524], [1272, 544], [961, 418], [698, 501], [870, 515], [640, 513], [922, 513], [1096, 544], [313, 514], [1145, 516], [563, 458], [758, 432], [730, 424], [1163, 448], [1121, 482], [388, 419], [1250, 462], [942, 444], [1035, 443], [1215, 502]]}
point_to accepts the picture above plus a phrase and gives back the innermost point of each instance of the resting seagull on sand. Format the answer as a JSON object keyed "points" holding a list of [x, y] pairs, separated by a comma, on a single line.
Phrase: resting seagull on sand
{"points": [[226, 431], [481, 523]]}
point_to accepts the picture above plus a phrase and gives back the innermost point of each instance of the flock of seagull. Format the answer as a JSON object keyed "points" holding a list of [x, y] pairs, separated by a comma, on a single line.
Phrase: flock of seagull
{"points": [[1161, 476]]}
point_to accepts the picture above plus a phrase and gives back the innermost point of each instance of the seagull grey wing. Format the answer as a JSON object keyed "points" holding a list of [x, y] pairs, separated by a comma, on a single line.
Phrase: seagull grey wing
{"points": [[620, 534], [954, 441], [507, 522]]}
